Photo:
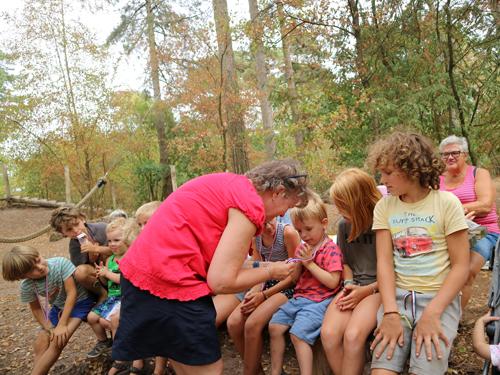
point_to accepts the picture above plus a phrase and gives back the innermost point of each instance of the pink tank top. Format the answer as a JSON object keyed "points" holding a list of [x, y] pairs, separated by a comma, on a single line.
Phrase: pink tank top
{"points": [[466, 194]]}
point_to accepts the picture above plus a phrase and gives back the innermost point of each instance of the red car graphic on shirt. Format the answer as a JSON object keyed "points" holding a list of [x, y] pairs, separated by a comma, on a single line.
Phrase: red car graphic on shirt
{"points": [[412, 241]]}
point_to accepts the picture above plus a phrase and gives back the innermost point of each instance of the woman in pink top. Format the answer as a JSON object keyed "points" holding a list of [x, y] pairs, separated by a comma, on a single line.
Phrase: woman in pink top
{"points": [[474, 187], [194, 246]]}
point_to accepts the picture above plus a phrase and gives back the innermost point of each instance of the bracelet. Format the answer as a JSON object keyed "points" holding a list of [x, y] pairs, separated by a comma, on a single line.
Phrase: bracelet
{"points": [[255, 264], [391, 312], [264, 294], [348, 282]]}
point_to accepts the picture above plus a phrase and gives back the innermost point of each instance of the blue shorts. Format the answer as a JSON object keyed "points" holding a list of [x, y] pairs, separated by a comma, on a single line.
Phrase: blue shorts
{"points": [[485, 245], [303, 316], [108, 306], [80, 311]]}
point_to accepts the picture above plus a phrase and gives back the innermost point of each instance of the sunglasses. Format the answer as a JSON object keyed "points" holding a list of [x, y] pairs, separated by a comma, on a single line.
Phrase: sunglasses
{"points": [[292, 182], [453, 154]]}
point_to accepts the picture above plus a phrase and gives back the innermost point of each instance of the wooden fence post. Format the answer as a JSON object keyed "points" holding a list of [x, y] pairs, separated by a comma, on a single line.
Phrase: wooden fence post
{"points": [[6, 181], [67, 184], [173, 176]]}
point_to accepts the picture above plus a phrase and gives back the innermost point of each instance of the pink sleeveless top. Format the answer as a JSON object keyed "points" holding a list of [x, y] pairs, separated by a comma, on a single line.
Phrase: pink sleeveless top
{"points": [[466, 194]]}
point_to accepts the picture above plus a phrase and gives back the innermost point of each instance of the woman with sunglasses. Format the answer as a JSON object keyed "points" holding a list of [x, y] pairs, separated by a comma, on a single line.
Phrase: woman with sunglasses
{"points": [[194, 246], [474, 188]]}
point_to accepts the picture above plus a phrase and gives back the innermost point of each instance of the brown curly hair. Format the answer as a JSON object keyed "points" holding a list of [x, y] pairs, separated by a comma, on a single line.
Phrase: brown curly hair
{"points": [[412, 153]]}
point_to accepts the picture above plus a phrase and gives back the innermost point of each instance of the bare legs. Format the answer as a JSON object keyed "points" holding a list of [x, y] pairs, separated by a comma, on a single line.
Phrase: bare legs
{"points": [[344, 335], [476, 262], [246, 331], [85, 275], [47, 352], [224, 305], [211, 369], [277, 334]]}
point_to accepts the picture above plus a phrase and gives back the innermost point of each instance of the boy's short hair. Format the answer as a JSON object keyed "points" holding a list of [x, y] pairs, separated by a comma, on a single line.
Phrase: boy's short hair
{"points": [[130, 231], [18, 262], [148, 209], [117, 223], [65, 217], [412, 153], [315, 209]]}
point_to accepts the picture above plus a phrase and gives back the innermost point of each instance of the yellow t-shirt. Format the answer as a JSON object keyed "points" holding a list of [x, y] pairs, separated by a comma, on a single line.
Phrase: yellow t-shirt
{"points": [[419, 230]]}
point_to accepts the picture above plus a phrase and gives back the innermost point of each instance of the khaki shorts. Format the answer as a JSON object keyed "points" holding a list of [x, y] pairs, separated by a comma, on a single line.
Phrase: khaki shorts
{"points": [[415, 305]]}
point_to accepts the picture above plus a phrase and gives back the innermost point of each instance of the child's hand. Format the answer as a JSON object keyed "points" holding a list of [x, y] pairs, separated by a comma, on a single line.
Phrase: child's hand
{"points": [[486, 318], [428, 332], [305, 253], [280, 270], [101, 270], [60, 335], [251, 301], [351, 295], [389, 333], [89, 247]]}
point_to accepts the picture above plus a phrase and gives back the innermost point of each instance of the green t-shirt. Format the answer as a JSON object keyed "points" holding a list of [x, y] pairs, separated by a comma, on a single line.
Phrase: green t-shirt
{"points": [[114, 289]]}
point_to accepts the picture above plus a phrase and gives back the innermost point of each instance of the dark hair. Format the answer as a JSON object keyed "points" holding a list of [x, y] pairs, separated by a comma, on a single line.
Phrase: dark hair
{"points": [[65, 217], [412, 153]]}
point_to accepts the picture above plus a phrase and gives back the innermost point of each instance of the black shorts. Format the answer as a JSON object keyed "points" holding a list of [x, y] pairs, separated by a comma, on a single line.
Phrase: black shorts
{"points": [[152, 326]]}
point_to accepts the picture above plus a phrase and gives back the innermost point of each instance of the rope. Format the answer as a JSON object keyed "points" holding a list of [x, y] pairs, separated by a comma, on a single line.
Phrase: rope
{"points": [[100, 183]]}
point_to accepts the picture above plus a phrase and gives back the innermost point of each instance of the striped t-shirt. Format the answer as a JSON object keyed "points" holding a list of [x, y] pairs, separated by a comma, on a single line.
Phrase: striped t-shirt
{"points": [[277, 251], [466, 193], [59, 270]]}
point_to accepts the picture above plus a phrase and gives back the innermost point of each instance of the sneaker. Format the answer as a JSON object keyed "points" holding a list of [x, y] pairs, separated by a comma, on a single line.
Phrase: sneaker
{"points": [[100, 348]]}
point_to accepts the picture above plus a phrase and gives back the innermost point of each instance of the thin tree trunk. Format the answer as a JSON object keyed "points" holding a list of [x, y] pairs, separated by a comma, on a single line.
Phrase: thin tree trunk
{"points": [[290, 78], [451, 76], [233, 110], [158, 110], [262, 81]]}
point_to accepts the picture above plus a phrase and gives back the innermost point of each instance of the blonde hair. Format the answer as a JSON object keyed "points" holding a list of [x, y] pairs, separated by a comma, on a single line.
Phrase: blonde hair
{"points": [[355, 192], [147, 209], [65, 217], [116, 224], [19, 261], [130, 232], [315, 209]]}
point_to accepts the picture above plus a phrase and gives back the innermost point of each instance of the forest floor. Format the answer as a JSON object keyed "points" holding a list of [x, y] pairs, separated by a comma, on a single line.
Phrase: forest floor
{"points": [[18, 328]]}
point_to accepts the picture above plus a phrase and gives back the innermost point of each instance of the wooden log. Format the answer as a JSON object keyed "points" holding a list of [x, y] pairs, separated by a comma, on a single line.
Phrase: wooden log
{"points": [[320, 363], [36, 202]]}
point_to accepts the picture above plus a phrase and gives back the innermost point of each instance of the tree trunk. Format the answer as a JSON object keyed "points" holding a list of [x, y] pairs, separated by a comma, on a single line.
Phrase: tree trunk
{"points": [[262, 81], [289, 74], [233, 111], [451, 76], [158, 108]]}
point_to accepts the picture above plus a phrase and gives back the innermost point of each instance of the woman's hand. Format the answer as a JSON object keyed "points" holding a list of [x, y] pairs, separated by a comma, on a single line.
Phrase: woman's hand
{"points": [[350, 296], [428, 332], [280, 270], [251, 301], [388, 334]]}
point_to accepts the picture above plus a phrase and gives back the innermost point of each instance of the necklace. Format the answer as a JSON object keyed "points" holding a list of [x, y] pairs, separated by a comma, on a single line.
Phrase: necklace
{"points": [[313, 255]]}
